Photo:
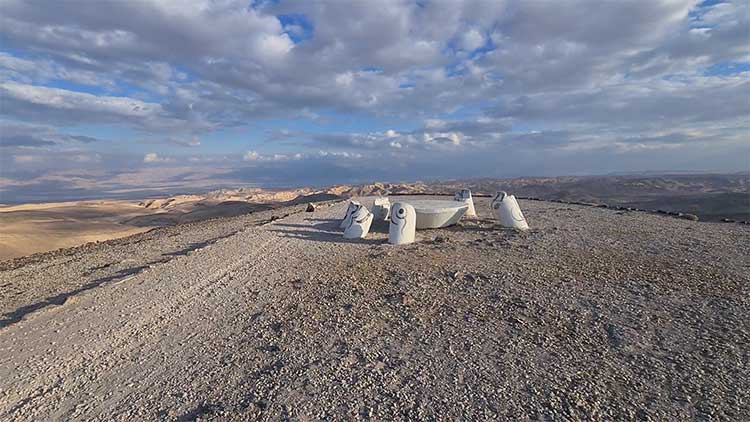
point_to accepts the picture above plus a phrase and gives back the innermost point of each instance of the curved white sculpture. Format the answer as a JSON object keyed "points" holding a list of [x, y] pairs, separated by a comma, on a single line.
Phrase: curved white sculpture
{"points": [[464, 195], [434, 214], [359, 223], [507, 212], [381, 209], [403, 224], [353, 206]]}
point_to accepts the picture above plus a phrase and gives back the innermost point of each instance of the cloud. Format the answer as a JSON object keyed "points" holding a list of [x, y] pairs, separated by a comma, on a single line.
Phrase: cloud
{"points": [[251, 156], [153, 157], [14, 134], [44, 104], [179, 142], [26, 158], [417, 84], [471, 40], [242, 64], [254, 156], [637, 106], [23, 140]]}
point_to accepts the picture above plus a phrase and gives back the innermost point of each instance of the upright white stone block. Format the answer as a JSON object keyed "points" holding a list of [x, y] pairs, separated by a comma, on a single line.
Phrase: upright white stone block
{"points": [[359, 223], [353, 206], [464, 195], [507, 212], [403, 224], [381, 209]]}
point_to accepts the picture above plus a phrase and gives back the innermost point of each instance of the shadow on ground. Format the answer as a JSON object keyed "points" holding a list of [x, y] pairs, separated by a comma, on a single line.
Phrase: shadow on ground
{"points": [[327, 230]]}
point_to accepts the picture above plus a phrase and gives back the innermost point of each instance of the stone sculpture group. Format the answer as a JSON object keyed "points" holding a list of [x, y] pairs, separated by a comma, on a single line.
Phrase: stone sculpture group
{"points": [[402, 216]]}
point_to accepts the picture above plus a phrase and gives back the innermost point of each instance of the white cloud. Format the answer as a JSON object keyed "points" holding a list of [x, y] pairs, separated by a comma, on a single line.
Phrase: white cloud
{"points": [[22, 159], [340, 154], [251, 156], [175, 73], [86, 158], [471, 40], [153, 157], [64, 99], [255, 156], [345, 79], [274, 47]]}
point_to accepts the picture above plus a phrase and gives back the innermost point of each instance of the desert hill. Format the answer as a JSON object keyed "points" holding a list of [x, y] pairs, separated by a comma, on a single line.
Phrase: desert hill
{"points": [[593, 314], [33, 228]]}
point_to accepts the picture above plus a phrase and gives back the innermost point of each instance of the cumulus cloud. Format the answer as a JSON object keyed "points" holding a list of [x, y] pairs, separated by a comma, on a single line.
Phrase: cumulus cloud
{"points": [[254, 156], [413, 82], [153, 157], [251, 156], [471, 40]]}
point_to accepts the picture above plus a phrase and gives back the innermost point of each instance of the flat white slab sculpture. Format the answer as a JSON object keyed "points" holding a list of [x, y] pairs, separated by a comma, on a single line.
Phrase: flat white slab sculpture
{"points": [[464, 195], [507, 212], [381, 209], [353, 205], [359, 223], [433, 214], [403, 224]]}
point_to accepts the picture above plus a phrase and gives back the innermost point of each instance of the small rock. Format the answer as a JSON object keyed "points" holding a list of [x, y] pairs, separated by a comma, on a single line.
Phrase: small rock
{"points": [[310, 208]]}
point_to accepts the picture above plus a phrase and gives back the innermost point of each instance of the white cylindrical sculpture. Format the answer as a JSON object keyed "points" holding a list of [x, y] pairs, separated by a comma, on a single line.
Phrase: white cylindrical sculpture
{"points": [[359, 223], [353, 205], [403, 224], [381, 209], [507, 212], [464, 195]]}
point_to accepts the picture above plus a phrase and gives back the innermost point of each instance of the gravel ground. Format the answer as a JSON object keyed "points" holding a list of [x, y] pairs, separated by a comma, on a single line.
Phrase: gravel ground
{"points": [[594, 314]]}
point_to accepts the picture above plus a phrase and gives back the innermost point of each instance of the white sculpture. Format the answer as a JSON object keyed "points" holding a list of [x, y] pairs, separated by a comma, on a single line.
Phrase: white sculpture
{"points": [[381, 209], [403, 224], [353, 205], [435, 214], [507, 212], [464, 195], [359, 223]]}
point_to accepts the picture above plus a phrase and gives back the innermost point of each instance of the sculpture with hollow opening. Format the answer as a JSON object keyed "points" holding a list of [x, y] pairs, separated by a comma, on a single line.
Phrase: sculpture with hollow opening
{"points": [[464, 195], [507, 212], [359, 224], [381, 209], [403, 224], [351, 209]]}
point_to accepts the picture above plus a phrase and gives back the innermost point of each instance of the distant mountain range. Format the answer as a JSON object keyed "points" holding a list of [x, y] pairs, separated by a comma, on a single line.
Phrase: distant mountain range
{"points": [[34, 228]]}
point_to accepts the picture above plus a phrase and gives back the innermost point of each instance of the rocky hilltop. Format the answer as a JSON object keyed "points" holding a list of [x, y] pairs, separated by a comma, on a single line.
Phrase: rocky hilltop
{"points": [[36, 228], [593, 314]]}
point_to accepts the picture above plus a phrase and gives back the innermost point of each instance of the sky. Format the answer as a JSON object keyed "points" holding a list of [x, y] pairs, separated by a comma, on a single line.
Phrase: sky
{"points": [[126, 98]]}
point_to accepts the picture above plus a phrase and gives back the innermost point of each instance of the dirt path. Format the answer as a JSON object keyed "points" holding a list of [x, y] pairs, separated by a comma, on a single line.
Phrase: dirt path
{"points": [[594, 314]]}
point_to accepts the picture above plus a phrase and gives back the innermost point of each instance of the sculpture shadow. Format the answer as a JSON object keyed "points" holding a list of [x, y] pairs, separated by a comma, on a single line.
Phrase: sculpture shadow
{"points": [[326, 230], [475, 225], [324, 224]]}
